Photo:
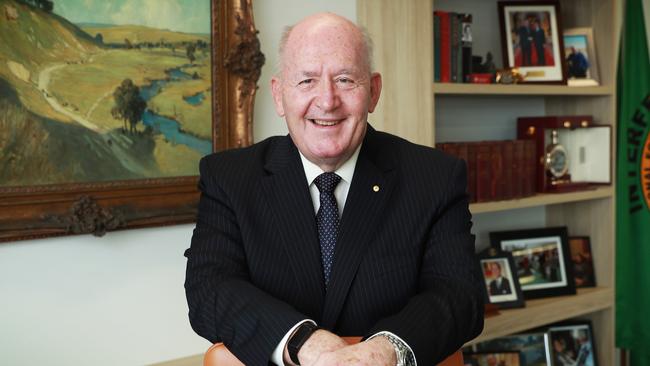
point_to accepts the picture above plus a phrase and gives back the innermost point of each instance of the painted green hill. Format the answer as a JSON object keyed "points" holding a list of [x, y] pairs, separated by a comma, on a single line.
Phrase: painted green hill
{"points": [[30, 40], [33, 38], [139, 34]]}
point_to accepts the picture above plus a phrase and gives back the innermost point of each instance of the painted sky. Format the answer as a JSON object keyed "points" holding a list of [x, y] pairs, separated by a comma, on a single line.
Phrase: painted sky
{"points": [[189, 16]]}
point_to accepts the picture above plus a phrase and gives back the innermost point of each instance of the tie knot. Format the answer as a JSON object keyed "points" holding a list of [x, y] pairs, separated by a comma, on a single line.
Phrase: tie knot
{"points": [[326, 182]]}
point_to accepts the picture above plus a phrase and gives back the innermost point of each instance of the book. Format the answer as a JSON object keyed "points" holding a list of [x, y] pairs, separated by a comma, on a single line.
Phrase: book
{"points": [[445, 46], [436, 48], [466, 46]]}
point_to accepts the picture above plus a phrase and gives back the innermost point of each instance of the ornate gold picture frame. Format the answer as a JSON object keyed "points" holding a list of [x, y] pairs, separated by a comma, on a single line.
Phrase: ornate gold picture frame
{"points": [[75, 207]]}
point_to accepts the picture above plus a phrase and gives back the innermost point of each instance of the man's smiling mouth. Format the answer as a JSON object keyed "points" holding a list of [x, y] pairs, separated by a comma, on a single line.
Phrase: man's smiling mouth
{"points": [[321, 122]]}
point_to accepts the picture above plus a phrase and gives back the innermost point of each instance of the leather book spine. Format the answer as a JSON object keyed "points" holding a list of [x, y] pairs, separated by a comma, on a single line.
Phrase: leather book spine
{"points": [[471, 170], [464, 155], [436, 46], [518, 164], [454, 24], [497, 189], [483, 167], [445, 46], [509, 178], [530, 167]]}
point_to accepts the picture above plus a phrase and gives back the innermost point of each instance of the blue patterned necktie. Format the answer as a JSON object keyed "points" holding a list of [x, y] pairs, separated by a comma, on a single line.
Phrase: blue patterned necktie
{"points": [[327, 219]]}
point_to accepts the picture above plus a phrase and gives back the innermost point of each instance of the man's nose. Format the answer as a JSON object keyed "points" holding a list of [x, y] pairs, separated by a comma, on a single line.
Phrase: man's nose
{"points": [[327, 98]]}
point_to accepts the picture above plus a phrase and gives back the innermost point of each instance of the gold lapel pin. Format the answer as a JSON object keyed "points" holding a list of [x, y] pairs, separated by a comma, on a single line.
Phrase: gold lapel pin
{"points": [[375, 188]]}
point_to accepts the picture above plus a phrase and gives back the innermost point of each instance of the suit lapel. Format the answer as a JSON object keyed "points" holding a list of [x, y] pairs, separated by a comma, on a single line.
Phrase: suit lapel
{"points": [[293, 214], [372, 183]]}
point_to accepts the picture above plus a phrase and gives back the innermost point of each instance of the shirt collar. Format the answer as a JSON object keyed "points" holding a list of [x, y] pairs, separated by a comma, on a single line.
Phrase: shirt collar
{"points": [[346, 171]]}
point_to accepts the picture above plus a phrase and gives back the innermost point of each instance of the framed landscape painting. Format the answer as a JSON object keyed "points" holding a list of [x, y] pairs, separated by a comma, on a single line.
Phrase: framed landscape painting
{"points": [[106, 108]]}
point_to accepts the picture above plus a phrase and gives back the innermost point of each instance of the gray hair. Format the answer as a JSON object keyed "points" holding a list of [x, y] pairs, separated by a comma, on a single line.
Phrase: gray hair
{"points": [[365, 38]]}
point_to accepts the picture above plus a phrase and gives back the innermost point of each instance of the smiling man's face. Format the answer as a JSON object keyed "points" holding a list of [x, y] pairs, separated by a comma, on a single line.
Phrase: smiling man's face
{"points": [[325, 89]]}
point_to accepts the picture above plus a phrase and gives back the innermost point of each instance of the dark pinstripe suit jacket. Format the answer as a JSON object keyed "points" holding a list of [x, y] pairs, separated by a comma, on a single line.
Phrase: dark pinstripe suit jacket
{"points": [[404, 259]]}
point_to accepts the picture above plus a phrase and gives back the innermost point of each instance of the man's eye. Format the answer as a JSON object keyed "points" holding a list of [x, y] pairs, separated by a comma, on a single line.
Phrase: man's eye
{"points": [[345, 83], [306, 82]]}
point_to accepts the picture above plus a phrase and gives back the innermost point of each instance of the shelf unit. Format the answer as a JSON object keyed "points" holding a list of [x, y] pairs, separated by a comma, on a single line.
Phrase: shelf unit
{"points": [[410, 104]]}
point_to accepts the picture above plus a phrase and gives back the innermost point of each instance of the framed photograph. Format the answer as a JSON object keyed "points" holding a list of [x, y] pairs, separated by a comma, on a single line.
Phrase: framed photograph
{"points": [[541, 258], [573, 344], [534, 348], [580, 57], [531, 40], [106, 109], [583, 264], [503, 358], [499, 275]]}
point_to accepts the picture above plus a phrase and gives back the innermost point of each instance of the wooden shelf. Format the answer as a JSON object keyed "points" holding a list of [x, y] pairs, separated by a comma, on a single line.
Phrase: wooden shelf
{"points": [[520, 89], [545, 311], [541, 200]]}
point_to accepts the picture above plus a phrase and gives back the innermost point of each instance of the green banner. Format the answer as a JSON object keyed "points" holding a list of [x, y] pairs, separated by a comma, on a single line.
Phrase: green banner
{"points": [[633, 189]]}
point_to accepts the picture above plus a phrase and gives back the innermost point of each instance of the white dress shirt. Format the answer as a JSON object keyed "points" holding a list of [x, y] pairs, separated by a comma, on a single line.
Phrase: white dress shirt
{"points": [[346, 172]]}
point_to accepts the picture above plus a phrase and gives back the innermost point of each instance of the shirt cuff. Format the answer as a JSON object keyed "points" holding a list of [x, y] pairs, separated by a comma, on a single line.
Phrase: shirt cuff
{"points": [[385, 332], [277, 357]]}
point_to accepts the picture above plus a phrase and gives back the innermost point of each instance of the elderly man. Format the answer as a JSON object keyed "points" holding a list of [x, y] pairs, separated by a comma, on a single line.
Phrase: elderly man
{"points": [[334, 230]]}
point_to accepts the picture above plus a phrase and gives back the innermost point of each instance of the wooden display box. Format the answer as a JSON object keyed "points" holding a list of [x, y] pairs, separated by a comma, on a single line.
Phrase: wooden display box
{"points": [[587, 145]]}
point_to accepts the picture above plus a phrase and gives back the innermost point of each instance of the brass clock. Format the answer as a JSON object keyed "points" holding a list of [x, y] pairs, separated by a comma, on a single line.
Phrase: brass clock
{"points": [[556, 159]]}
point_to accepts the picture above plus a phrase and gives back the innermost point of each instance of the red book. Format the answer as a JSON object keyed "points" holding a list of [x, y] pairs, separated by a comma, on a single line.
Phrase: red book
{"points": [[462, 151], [471, 171], [483, 168], [509, 177], [518, 163], [530, 164], [445, 46], [497, 181]]}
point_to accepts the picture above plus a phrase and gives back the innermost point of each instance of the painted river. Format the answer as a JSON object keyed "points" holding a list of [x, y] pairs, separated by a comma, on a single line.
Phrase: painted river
{"points": [[168, 127]]}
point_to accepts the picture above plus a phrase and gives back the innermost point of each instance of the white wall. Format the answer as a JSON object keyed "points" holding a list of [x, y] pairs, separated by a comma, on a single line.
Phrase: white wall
{"points": [[119, 300]]}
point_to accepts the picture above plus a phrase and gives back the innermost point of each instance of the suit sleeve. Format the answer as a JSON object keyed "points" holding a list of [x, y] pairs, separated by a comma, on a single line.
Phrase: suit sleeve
{"points": [[448, 309], [224, 306]]}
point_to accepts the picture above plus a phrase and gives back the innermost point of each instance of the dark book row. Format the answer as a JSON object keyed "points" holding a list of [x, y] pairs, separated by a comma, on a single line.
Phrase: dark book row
{"points": [[496, 170], [452, 46]]}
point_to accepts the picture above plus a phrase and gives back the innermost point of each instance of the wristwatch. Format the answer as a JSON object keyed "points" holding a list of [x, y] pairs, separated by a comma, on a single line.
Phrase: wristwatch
{"points": [[299, 338], [404, 355]]}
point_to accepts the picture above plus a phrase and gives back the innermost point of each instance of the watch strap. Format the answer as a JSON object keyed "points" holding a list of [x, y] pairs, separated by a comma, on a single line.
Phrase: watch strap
{"points": [[298, 338]]}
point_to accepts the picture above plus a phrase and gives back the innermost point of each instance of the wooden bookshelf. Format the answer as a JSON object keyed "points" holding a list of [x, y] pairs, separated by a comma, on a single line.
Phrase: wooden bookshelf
{"points": [[416, 108], [541, 312], [542, 200]]}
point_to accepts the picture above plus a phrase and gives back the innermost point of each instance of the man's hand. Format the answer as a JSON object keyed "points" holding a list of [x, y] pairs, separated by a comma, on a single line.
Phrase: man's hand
{"points": [[319, 342], [375, 352]]}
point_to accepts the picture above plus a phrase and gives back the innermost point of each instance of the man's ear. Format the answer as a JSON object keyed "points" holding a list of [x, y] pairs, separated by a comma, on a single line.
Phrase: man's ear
{"points": [[375, 91], [276, 90]]}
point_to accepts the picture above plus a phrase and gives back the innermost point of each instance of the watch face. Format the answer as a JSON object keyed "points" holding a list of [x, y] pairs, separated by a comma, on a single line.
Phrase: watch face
{"points": [[557, 162]]}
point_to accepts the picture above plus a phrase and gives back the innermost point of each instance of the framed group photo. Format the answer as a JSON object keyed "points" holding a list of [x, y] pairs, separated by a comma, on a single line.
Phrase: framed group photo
{"points": [[501, 284], [531, 40], [580, 57], [541, 259], [573, 344]]}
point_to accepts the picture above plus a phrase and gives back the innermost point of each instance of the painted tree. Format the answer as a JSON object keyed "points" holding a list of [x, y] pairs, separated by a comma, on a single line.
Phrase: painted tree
{"points": [[129, 105], [191, 48]]}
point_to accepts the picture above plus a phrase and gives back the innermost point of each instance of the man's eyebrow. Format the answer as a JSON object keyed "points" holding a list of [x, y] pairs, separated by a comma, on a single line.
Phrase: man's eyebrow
{"points": [[310, 74]]}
